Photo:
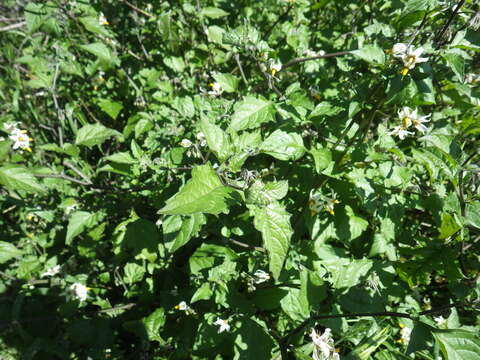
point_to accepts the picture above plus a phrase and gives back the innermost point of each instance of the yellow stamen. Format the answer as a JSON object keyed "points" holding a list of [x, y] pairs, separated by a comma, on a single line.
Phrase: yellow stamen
{"points": [[331, 211], [211, 85], [29, 149], [406, 122], [106, 23], [95, 87], [274, 72], [313, 212], [388, 51], [401, 326], [405, 71], [31, 139], [335, 201]]}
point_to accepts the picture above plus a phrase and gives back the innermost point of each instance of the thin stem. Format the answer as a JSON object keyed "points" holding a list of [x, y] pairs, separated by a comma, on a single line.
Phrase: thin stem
{"points": [[77, 171], [237, 59], [63, 177], [449, 21], [241, 244], [13, 26], [305, 323], [280, 18], [133, 7]]}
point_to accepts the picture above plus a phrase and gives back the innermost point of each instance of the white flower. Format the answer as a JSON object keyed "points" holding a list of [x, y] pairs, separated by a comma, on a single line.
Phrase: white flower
{"points": [[418, 123], [314, 203], [275, 66], [224, 326], [440, 320], [182, 306], [410, 117], [102, 20], [21, 140], [185, 143], [201, 138], [400, 131], [52, 271], [472, 78], [261, 276], [412, 57], [216, 89], [399, 49], [324, 346], [79, 291], [405, 333]]}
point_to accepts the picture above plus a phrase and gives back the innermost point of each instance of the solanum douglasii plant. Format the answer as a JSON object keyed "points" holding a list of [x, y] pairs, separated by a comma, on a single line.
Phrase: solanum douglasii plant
{"points": [[211, 179]]}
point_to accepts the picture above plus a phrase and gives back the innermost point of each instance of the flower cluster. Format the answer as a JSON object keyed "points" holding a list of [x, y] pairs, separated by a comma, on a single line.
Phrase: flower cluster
{"points": [[405, 333], [316, 204], [323, 346], [409, 117], [261, 276], [409, 56], [20, 137]]}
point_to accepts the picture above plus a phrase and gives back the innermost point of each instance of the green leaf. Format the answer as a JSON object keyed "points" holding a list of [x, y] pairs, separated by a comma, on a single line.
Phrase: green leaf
{"points": [[283, 146], [133, 273], [264, 193], [217, 140], [472, 214], [102, 52], [15, 177], [34, 16], [252, 340], [213, 12], [449, 226], [8, 251], [121, 158], [347, 273], [322, 158], [94, 134], [325, 109], [228, 82], [251, 113], [371, 54], [79, 221], [177, 231], [204, 193], [273, 221], [112, 108], [457, 63], [92, 24], [153, 323], [458, 344], [204, 292], [417, 5]]}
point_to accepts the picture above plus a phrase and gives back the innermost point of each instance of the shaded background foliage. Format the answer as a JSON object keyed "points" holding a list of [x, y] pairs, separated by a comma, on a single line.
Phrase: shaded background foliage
{"points": [[110, 194]]}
